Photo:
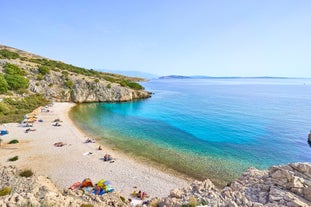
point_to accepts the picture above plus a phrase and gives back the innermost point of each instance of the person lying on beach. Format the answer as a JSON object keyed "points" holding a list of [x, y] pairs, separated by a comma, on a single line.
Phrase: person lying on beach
{"points": [[56, 124], [107, 157], [142, 195], [59, 144], [88, 140], [29, 130]]}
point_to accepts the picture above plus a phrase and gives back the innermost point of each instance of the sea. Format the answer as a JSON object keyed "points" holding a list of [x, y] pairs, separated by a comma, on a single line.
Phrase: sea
{"points": [[212, 128]]}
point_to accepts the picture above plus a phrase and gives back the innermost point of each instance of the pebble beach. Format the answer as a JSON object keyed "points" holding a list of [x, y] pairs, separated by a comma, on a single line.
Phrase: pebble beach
{"points": [[77, 160]]}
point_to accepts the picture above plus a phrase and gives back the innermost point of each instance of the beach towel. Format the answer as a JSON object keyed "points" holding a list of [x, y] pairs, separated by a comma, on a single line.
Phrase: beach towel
{"points": [[87, 183], [105, 185], [75, 186], [99, 191]]}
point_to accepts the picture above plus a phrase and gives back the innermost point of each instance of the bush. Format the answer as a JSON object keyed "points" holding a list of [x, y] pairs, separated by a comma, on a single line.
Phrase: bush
{"points": [[13, 159], [16, 82], [86, 205], [26, 173], [122, 199], [44, 70], [69, 84], [39, 77], [13, 110], [14, 141], [5, 191], [4, 108], [4, 53], [51, 84], [13, 69], [4, 86]]}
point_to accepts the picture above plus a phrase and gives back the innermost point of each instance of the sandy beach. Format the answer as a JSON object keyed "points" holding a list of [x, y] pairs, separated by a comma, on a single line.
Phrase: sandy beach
{"points": [[78, 160]]}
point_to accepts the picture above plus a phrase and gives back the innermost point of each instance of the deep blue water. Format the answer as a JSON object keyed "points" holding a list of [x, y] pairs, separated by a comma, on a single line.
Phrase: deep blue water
{"points": [[213, 128]]}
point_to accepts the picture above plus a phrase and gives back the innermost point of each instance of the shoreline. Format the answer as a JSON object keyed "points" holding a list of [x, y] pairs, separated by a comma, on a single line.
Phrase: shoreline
{"points": [[67, 165]]}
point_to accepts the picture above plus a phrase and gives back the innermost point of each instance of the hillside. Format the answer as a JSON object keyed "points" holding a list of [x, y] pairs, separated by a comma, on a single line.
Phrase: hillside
{"points": [[23, 74], [59, 81]]}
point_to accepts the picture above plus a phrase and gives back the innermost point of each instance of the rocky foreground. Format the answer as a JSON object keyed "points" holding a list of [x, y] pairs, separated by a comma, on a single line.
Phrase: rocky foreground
{"points": [[41, 191], [288, 185]]}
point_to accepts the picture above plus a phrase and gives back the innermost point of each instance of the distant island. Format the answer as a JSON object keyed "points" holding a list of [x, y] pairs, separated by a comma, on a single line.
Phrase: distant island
{"points": [[220, 77]]}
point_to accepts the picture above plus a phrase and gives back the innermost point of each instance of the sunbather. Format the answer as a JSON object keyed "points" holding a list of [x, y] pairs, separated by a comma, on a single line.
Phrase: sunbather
{"points": [[107, 157]]}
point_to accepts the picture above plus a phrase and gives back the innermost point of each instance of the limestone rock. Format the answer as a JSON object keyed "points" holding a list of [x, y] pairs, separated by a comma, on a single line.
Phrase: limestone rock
{"points": [[287, 185], [39, 191]]}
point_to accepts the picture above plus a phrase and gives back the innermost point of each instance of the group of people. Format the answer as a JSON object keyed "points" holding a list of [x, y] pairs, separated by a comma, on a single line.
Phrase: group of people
{"points": [[140, 194], [89, 140]]}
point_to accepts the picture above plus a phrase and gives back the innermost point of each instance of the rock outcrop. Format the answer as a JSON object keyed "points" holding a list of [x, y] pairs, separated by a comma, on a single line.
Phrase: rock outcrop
{"points": [[288, 185], [63, 82], [84, 90], [40, 191]]}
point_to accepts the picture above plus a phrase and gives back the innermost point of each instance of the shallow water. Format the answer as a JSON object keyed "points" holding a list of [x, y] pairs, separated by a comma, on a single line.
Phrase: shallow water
{"points": [[213, 128]]}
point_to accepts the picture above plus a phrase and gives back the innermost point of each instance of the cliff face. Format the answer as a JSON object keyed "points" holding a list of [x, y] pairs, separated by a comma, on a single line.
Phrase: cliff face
{"points": [[63, 82], [288, 185], [84, 89]]}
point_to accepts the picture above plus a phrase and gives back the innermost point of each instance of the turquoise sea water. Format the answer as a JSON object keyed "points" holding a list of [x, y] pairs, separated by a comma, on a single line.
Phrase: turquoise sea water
{"points": [[209, 128]]}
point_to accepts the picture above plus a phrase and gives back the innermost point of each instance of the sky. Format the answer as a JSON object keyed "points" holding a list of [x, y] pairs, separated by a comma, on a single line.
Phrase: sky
{"points": [[164, 37]]}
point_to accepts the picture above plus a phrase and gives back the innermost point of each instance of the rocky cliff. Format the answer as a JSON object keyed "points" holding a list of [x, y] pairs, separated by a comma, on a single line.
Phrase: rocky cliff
{"points": [[38, 191], [59, 81], [287, 185]]}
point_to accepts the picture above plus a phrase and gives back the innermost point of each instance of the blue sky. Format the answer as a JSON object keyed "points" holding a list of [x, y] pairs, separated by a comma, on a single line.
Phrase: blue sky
{"points": [[163, 37]]}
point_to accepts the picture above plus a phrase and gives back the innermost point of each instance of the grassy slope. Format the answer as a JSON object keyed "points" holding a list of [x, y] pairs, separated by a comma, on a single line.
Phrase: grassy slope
{"points": [[13, 108]]}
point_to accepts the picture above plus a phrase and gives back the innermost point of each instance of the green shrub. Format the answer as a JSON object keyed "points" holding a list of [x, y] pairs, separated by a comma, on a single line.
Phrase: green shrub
{"points": [[69, 84], [26, 173], [122, 199], [4, 53], [13, 141], [5, 191], [13, 69], [4, 108], [22, 91], [96, 80], [16, 82], [44, 70], [4, 86], [39, 77], [109, 85], [13, 159], [86, 205], [51, 84], [13, 110], [37, 84]]}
